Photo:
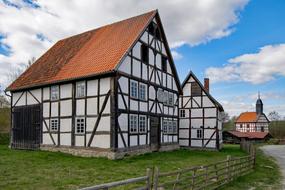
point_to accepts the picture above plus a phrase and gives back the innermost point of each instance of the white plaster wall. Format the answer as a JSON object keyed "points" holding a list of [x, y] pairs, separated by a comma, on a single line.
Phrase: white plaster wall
{"points": [[90, 123], [137, 50], [125, 65], [197, 112], [142, 139], [80, 107], [133, 140], [187, 90], [210, 122], [46, 93], [79, 140], [207, 102], [104, 124], [105, 85], [92, 106], [210, 112], [38, 95], [92, 87], [120, 141], [46, 109], [54, 109], [184, 123], [183, 142], [184, 133], [123, 122], [65, 139], [21, 101], [124, 84], [66, 91], [107, 107], [65, 124], [101, 141], [196, 123], [66, 108], [136, 68]]}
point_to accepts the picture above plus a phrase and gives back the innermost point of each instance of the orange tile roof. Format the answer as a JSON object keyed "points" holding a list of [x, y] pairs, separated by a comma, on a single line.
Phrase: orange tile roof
{"points": [[247, 117], [90, 53]]}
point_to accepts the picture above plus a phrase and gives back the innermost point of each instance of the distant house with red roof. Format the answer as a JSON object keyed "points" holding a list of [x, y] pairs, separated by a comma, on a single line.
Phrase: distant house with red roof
{"points": [[250, 126], [253, 121]]}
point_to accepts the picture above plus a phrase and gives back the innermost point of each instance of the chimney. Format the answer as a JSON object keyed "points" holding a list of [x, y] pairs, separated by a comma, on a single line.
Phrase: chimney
{"points": [[207, 84]]}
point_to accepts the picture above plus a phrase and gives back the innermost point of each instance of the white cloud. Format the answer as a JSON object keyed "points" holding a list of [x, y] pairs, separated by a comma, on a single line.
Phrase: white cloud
{"points": [[186, 22], [255, 68], [246, 102], [176, 55]]}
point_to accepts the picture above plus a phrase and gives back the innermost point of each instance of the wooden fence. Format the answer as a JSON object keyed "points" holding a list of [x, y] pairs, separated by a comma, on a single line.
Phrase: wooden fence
{"points": [[210, 176]]}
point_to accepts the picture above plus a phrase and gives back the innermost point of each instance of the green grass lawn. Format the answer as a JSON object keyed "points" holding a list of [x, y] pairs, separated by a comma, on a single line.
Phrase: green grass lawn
{"points": [[21, 169]]}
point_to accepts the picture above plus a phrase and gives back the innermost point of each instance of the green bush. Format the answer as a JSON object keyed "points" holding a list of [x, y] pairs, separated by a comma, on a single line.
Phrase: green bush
{"points": [[5, 120], [4, 138], [273, 141]]}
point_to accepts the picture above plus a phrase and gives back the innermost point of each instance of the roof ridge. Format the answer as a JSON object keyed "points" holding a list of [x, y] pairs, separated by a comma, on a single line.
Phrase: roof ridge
{"points": [[106, 25]]}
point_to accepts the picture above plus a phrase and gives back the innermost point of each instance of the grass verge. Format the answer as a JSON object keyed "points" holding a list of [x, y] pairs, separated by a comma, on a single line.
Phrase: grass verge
{"points": [[20, 169]]}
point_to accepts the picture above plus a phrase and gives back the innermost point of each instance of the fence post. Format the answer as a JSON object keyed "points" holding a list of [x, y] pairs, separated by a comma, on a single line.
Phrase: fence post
{"points": [[155, 180], [177, 179], [206, 176], [148, 181], [216, 172], [228, 168], [193, 179]]}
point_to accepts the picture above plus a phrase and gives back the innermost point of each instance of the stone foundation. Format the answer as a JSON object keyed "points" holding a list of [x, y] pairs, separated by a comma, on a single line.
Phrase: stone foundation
{"points": [[107, 153]]}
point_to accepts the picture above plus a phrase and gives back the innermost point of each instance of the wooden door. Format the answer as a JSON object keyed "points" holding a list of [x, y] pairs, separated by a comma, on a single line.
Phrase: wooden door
{"points": [[154, 133], [26, 131]]}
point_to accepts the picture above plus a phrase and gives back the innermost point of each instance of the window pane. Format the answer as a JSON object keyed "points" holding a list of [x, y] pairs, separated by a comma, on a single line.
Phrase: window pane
{"points": [[142, 92], [134, 89]]}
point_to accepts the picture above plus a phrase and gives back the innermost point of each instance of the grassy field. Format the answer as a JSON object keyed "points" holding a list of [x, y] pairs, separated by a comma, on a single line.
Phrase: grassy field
{"points": [[21, 169]]}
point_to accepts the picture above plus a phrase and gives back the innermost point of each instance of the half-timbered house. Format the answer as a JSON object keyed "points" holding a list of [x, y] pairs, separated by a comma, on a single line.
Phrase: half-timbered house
{"points": [[200, 124], [253, 121], [114, 89]]}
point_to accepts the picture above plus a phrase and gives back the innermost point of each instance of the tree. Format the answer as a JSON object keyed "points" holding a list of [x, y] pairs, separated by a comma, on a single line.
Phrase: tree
{"points": [[274, 116], [16, 72], [225, 117]]}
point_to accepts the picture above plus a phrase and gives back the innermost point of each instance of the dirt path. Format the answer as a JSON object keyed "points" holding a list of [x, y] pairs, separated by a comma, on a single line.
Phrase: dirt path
{"points": [[278, 152]]}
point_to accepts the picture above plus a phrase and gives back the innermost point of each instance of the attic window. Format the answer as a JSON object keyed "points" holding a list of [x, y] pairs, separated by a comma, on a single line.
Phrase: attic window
{"points": [[164, 64], [144, 53], [196, 89], [157, 34], [54, 92], [151, 28]]}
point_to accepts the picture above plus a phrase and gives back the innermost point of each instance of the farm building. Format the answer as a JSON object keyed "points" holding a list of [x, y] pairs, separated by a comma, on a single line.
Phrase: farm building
{"points": [[253, 121], [236, 136], [113, 89], [200, 124], [109, 92]]}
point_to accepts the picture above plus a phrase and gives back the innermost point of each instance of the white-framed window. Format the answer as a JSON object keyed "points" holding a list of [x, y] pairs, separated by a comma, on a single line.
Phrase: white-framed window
{"points": [[170, 99], [80, 89], [174, 127], [142, 123], [165, 126], [142, 91], [133, 123], [134, 89], [160, 95], [54, 92], [80, 125], [170, 126], [182, 113], [165, 97], [54, 124], [199, 133]]}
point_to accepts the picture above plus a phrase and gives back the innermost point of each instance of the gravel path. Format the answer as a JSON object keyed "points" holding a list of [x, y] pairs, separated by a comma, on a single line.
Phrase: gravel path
{"points": [[278, 152]]}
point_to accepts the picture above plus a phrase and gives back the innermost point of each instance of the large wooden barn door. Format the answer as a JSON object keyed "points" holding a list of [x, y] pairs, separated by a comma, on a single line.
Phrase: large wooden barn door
{"points": [[154, 133], [26, 127]]}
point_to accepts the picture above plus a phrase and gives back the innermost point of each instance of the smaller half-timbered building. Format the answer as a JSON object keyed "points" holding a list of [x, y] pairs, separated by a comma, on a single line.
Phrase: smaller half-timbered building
{"points": [[253, 121], [200, 124]]}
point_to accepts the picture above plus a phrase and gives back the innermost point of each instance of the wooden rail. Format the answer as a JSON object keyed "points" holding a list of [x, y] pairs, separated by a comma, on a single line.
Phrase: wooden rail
{"points": [[209, 176]]}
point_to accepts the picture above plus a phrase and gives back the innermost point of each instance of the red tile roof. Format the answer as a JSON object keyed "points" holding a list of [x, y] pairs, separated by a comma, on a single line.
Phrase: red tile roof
{"points": [[249, 135], [90, 53], [247, 117]]}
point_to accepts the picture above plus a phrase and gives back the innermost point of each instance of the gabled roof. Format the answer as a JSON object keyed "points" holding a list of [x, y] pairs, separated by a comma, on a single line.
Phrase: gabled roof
{"points": [[91, 53], [249, 135], [191, 74], [247, 117]]}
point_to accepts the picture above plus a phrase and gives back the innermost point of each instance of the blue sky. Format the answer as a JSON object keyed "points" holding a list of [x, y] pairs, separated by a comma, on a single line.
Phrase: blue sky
{"points": [[238, 44], [260, 25]]}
